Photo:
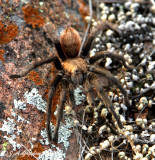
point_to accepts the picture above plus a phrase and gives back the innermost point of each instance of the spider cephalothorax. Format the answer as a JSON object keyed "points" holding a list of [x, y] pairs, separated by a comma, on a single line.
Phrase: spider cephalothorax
{"points": [[77, 69]]}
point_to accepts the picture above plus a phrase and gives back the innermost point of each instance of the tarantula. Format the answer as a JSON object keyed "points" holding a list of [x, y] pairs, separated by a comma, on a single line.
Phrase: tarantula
{"points": [[75, 69]]}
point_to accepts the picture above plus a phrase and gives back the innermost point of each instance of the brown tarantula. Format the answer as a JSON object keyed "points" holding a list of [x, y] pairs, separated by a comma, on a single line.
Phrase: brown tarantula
{"points": [[75, 69]]}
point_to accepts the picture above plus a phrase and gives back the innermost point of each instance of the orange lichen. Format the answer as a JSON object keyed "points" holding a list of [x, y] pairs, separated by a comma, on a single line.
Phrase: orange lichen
{"points": [[34, 76], [7, 33], [38, 149], [1, 55], [31, 16], [43, 121], [84, 10], [26, 157]]}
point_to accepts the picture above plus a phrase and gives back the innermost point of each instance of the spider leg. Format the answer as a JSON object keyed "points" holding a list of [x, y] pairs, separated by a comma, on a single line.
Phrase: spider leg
{"points": [[104, 54], [71, 96], [102, 26], [90, 93], [108, 103], [60, 110], [50, 98], [33, 66], [103, 96], [108, 75], [48, 28]]}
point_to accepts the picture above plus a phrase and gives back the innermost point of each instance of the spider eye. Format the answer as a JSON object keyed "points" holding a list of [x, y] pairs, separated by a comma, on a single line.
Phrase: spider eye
{"points": [[77, 77], [76, 71], [70, 41]]}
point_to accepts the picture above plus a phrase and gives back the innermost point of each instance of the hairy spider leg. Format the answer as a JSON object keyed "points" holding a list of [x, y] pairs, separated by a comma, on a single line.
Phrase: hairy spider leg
{"points": [[33, 66], [60, 51], [107, 102], [71, 95], [57, 64], [102, 26], [51, 94], [90, 93], [54, 39], [104, 54], [60, 109], [107, 74]]}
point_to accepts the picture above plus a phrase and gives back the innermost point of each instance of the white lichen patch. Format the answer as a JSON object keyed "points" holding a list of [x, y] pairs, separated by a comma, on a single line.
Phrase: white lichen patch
{"points": [[35, 99], [64, 133], [12, 141], [19, 104], [50, 154], [25, 1], [2, 153], [19, 118], [8, 126], [79, 96], [11, 125]]}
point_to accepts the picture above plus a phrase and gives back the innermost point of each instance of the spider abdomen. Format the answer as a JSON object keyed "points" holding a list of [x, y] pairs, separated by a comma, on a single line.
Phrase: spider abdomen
{"points": [[70, 41]]}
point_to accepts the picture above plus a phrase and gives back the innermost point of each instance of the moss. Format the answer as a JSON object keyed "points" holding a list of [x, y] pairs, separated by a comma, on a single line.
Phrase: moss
{"points": [[4, 146]]}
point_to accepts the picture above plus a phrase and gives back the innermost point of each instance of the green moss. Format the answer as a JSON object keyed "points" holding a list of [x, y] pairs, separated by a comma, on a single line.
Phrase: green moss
{"points": [[4, 146]]}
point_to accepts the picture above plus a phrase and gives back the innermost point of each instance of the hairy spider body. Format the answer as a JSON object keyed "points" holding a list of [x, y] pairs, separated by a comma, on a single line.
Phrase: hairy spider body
{"points": [[75, 69]]}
